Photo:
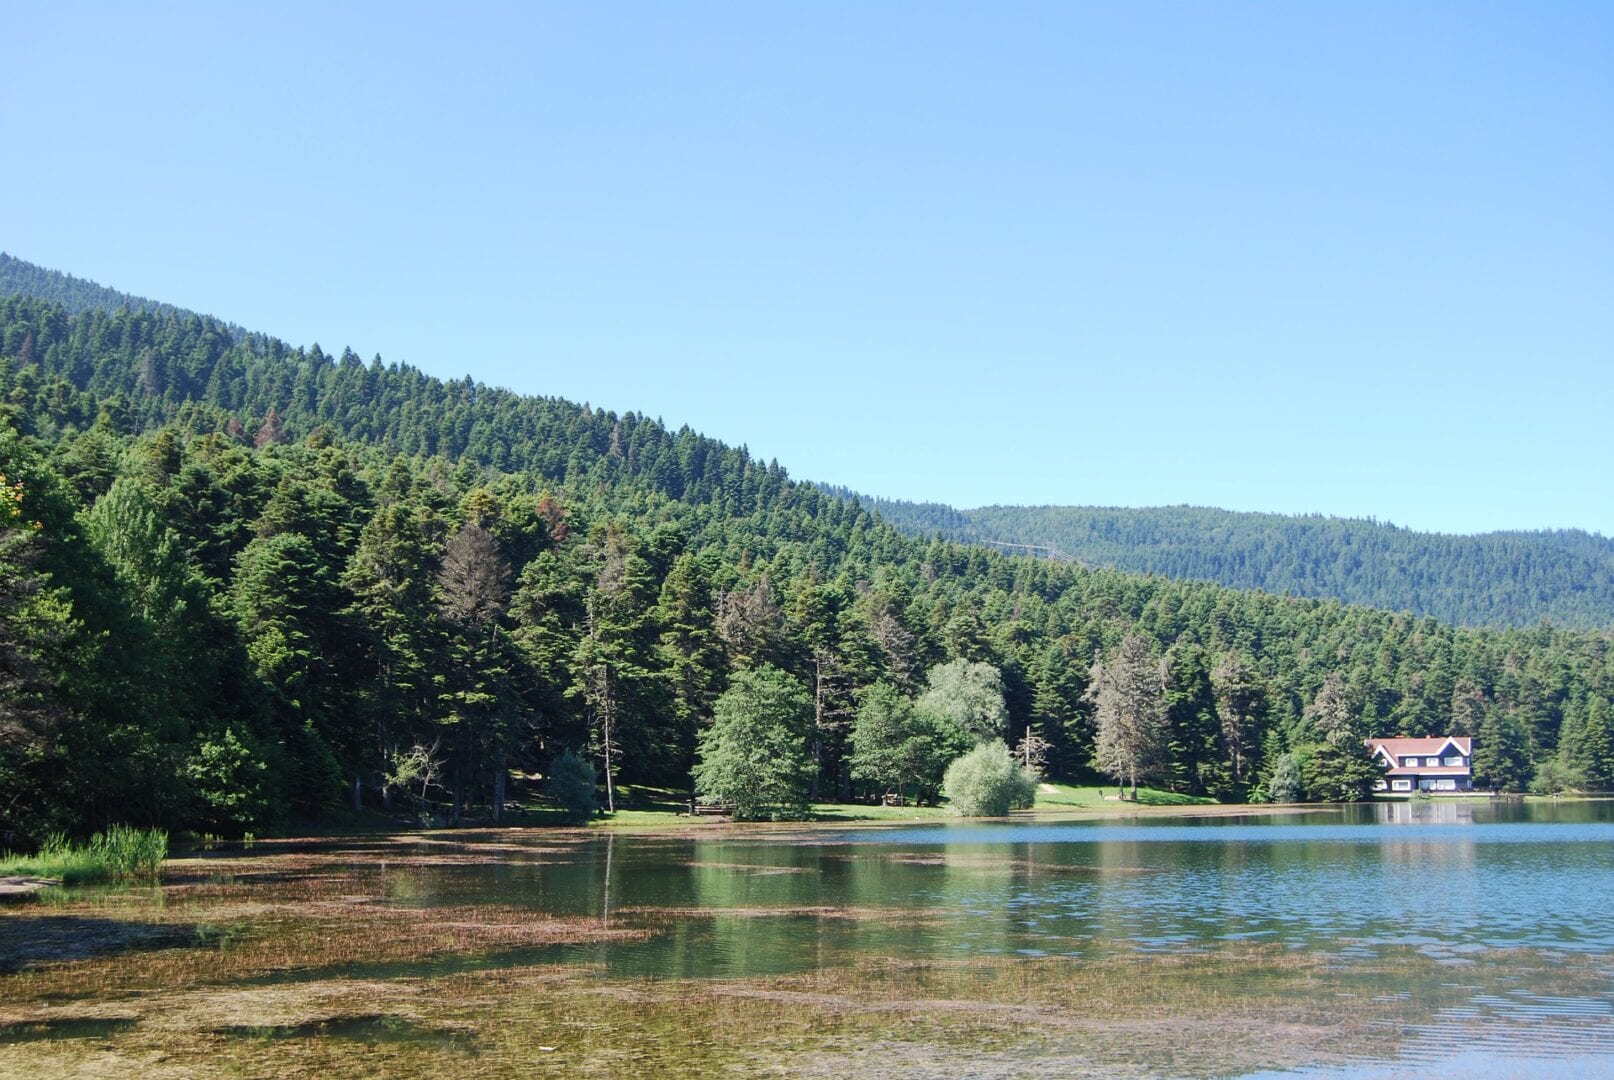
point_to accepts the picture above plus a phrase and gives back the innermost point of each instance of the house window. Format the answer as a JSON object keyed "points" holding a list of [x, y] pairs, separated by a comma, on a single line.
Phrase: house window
{"points": [[1454, 762], [1444, 785], [1431, 762], [1409, 761], [1400, 785]]}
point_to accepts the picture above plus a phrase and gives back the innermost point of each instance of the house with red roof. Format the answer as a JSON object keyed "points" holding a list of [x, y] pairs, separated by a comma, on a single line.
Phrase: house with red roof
{"points": [[1444, 764]]}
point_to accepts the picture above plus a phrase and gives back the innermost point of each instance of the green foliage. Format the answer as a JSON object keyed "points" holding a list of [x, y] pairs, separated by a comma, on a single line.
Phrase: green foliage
{"points": [[77, 295], [1495, 579], [1128, 696], [1502, 752], [574, 784], [1555, 776], [405, 563], [1339, 772], [120, 853], [755, 757], [900, 748], [413, 773], [1197, 760], [1285, 783], [228, 779], [1586, 744], [969, 696], [987, 782]]}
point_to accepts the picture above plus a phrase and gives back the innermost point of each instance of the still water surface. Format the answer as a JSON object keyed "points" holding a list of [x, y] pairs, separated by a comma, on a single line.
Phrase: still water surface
{"points": [[1436, 886], [1448, 879]]}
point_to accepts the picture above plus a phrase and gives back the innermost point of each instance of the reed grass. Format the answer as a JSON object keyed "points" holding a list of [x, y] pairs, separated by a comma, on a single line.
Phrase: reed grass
{"points": [[121, 853]]}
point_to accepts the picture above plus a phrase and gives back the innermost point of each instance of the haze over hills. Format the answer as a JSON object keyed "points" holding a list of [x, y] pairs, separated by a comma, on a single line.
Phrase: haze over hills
{"points": [[1491, 579], [238, 578]]}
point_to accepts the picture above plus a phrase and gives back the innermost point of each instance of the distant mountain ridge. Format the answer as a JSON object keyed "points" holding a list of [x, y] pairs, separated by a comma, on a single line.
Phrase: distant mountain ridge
{"points": [[1513, 578]]}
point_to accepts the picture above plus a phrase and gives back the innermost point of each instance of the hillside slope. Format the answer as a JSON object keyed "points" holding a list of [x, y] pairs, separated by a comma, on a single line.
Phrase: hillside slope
{"points": [[76, 295], [1491, 579], [241, 580]]}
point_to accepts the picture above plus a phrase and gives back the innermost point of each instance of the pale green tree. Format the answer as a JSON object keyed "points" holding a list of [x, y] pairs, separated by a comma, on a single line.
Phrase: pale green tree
{"points": [[969, 695], [755, 756], [988, 782]]}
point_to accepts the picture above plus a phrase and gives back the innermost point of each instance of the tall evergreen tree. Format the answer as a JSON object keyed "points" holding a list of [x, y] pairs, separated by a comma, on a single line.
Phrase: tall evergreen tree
{"points": [[473, 587], [1128, 696], [1241, 707]]}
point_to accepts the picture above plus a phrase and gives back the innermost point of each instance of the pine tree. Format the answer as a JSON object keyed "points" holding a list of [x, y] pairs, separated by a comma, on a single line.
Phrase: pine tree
{"points": [[473, 586], [689, 652], [1194, 731], [1241, 708], [1502, 752], [1588, 746], [389, 579], [1128, 696]]}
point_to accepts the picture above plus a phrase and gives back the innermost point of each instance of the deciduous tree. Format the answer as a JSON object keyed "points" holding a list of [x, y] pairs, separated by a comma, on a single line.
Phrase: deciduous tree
{"points": [[755, 757]]}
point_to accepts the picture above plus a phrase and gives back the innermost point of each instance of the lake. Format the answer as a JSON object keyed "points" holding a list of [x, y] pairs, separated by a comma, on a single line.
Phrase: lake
{"points": [[1361, 941]]}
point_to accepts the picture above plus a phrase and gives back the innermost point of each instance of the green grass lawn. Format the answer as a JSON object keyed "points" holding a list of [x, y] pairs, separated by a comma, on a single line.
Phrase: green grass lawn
{"points": [[1064, 797], [651, 808]]}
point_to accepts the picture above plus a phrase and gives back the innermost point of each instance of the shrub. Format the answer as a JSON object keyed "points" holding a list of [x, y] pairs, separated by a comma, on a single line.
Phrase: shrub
{"points": [[1286, 785], [573, 783], [227, 783], [986, 782], [1555, 776]]}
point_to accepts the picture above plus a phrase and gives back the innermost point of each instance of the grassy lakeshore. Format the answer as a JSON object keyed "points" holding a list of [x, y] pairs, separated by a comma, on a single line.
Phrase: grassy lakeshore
{"points": [[658, 808], [120, 853]]}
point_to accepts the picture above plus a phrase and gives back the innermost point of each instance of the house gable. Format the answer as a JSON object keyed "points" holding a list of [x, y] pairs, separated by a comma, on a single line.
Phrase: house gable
{"points": [[1442, 763]]}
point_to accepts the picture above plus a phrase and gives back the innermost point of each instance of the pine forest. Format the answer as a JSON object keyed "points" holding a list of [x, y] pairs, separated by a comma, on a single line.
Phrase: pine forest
{"points": [[244, 584]]}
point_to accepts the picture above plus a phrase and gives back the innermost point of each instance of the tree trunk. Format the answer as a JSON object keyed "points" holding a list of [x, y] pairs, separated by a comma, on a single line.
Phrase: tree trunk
{"points": [[818, 728], [610, 785], [499, 774]]}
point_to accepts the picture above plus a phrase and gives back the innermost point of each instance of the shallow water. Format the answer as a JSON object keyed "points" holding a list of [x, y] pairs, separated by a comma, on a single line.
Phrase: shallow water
{"points": [[1446, 879], [1462, 933]]}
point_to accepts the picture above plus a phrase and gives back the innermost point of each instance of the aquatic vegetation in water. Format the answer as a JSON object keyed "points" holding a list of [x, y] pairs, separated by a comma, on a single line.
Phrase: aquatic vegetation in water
{"points": [[335, 959], [1240, 1009]]}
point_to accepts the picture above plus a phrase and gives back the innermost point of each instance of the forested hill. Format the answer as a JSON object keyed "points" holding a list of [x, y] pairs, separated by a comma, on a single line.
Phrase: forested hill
{"points": [[1492, 579], [242, 581], [76, 295]]}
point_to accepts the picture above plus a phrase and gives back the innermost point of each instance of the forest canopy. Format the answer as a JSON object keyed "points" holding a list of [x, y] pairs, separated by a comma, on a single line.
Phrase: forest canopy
{"points": [[1492, 579], [243, 582]]}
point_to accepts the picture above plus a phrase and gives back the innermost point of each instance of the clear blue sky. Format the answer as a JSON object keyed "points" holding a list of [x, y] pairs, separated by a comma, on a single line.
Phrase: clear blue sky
{"points": [[1355, 258]]}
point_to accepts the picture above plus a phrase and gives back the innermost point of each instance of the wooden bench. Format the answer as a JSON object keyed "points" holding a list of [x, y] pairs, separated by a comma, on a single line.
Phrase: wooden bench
{"points": [[696, 809]]}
